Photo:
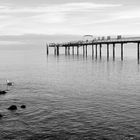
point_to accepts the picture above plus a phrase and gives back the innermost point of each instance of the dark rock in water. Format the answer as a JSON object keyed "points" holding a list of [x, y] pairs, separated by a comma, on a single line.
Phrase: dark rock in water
{"points": [[1, 116], [9, 84], [104, 138], [2, 92], [23, 106], [12, 107]]}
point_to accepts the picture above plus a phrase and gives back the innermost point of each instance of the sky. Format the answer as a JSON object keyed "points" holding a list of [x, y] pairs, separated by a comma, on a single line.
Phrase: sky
{"points": [[69, 17]]}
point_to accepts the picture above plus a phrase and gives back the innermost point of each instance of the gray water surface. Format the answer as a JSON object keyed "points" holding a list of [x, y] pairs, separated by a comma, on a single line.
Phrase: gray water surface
{"points": [[69, 97]]}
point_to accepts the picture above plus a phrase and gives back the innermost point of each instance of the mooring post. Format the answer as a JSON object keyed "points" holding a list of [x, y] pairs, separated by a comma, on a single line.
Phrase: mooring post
{"points": [[96, 50], [121, 51], [138, 51], [113, 51], [92, 50], [47, 49], [107, 51], [100, 51]]}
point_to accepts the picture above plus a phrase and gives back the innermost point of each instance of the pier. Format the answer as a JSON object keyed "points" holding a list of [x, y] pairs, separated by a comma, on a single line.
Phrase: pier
{"points": [[96, 45]]}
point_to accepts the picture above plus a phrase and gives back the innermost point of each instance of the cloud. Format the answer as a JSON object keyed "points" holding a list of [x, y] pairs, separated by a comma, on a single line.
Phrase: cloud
{"points": [[57, 8], [65, 18], [49, 18], [128, 14]]}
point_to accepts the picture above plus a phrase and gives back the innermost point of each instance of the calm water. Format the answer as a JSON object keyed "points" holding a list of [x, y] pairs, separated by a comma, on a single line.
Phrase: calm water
{"points": [[69, 97]]}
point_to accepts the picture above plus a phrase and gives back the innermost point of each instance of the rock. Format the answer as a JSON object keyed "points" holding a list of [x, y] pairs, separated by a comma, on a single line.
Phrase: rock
{"points": [[104, 138], [2, 92], [12, 107], [23, 106], [1, 116]]}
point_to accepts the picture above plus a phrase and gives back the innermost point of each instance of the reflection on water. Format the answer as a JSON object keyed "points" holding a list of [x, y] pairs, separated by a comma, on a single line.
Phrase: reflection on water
{"points": [[69, 97]]}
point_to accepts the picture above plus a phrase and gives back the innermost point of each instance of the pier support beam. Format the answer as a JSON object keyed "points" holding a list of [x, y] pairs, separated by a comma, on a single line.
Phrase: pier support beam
{"points": [[121, 51], [96, 50], [47, 49], [86, 50], [68, 50], [107, 51], [100, 51], [113, 51], [138, 51], [83, 50], [73, 50], [92, 50], [78, 50], [57, 49]]}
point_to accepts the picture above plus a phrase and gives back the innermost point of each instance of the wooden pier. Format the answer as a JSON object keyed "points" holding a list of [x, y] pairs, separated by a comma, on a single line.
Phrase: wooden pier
{"points": [[96, 45]]}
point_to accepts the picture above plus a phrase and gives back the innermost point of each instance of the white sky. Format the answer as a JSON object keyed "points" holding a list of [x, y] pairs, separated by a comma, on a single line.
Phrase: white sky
{"points": [[76, 17]]}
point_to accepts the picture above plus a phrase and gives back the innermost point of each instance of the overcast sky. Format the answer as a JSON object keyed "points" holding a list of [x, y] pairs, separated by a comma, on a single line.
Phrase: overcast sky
{"points": [[76, 17]]}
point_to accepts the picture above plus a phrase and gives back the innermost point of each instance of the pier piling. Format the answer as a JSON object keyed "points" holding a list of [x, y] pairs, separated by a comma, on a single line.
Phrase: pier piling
{"points": [[92, 50], [73, 50], [96, 51], [83, 50], [107, 51], [121, 51], [65, 50], [138, 50], [113, 51], [100, 51], [86, 50], [57, 49], [77, 49], [68, 50], [47, 49]]}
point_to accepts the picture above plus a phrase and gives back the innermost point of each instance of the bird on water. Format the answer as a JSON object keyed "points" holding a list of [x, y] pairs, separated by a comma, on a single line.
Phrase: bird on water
{"points": [[9, 83]]}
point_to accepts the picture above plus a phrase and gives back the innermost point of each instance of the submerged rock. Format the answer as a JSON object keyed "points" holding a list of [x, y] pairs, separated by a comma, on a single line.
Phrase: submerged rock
{"points": [[2, 92], [12, 107], [23, 106]]}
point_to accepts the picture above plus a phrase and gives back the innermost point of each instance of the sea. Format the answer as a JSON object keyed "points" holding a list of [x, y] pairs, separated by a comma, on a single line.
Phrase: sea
{"points": [[69, 97]]}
